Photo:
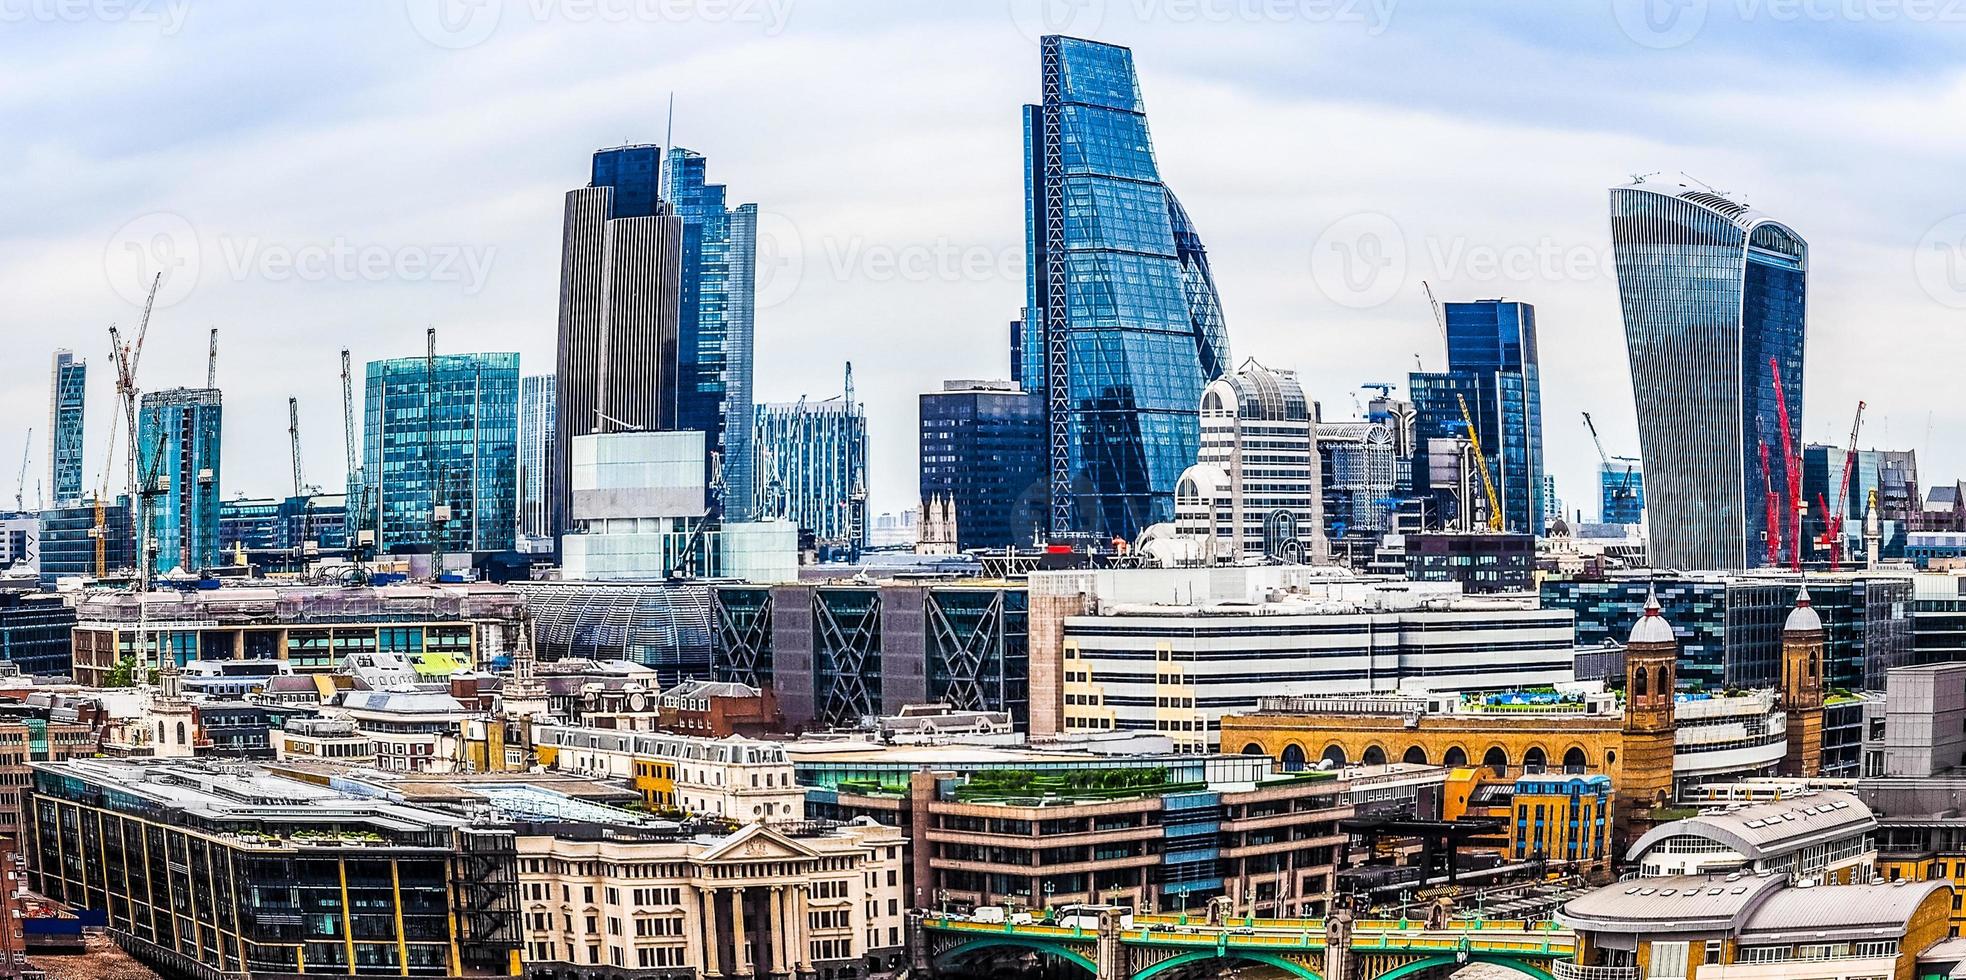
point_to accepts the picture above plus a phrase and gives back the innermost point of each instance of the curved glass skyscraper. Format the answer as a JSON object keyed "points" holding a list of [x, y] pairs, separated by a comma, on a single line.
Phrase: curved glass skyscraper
{"points": [[1124, 322], [1712, 293]]}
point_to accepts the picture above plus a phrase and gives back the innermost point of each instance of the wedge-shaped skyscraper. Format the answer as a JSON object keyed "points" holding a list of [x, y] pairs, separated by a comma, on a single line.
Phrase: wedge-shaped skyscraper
{"points": [[1714, 301]]}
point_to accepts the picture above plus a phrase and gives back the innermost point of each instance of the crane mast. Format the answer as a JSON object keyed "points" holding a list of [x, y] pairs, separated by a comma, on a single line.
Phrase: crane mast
{"points": [[1481, 460], [211, 361], [293, 437], [1794, 470]]}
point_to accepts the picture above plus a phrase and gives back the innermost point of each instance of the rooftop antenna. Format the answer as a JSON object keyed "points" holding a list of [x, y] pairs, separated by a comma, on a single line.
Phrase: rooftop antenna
{"points": [[662, 159]]}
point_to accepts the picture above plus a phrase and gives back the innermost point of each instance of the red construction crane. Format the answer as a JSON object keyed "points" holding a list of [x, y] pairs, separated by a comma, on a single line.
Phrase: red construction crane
{"points": [[1794, 470], [1834, 530], [1773, 536]]}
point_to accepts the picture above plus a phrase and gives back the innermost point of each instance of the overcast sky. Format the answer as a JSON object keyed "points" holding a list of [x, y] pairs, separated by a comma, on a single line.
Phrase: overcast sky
{"points": [[321, 175]]}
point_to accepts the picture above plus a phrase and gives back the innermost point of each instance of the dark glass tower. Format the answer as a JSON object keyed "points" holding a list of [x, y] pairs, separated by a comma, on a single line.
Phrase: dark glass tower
{"points": [[1123, 325], [620, 288], [178, 475], [67, 391], [1712, 293], [982, 448], [714, 323], [1492, 363]]}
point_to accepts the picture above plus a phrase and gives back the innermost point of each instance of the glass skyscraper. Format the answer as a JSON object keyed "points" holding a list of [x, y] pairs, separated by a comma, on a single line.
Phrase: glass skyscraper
{"points": [[1712, 293], [67, 389], [1492, 363], [440, 452], [982, 449], [1621, 487], [714, 322], [812, 468], [536, 457], [178, 434], [1123, 325]]}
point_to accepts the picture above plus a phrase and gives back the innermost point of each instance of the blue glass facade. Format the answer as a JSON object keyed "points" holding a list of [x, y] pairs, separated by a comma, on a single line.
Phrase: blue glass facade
{"points": [[68, 388], [1712, 293], [1621, 491], [714, 322], [440, 451], [68, 540], [1123, 323], [178, 463], [1492, 363]]}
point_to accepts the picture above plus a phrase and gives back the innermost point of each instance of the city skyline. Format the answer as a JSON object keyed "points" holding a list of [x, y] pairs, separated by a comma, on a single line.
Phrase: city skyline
{"points": [[1263, 196]]}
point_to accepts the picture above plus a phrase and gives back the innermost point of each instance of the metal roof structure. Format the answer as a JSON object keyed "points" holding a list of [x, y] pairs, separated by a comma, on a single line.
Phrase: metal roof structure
{"points": [[1770, 829]]}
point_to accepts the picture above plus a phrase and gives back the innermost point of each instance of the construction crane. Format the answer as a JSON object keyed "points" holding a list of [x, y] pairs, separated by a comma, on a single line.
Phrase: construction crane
{"points": [[124, 360], [1773, 535], [1833, 530], [293, 437], [1793, 468], [211, 361], [1481, 460], [20, 486], [1440, 319], [1624, 483]]}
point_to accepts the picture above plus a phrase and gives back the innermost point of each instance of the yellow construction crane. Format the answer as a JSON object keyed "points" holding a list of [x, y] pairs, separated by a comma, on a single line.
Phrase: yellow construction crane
{"points": [[1481, 460]]}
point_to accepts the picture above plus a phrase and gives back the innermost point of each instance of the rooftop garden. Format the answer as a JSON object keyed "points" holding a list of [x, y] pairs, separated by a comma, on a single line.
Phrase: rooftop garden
{"points": [[1114, 783]]}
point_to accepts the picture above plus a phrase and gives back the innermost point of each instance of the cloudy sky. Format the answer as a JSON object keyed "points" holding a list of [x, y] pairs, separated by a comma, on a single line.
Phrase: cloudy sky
{"points": [[343, 173]]}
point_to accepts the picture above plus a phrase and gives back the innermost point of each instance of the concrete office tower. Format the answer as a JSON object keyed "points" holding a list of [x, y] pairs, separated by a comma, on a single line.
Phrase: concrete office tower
{"points": [[1493, 366], [620, 290], [67, 393], [440, 449], [178, 441], [1255, 492], [537, 394], [1714, 298], [714, 325], [1123, 325]]}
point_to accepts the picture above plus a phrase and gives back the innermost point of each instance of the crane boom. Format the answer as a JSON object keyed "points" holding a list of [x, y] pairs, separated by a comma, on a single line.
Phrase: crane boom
{"points": [[293, 436], [1481, 460], [1834, 529], [20, 486]]}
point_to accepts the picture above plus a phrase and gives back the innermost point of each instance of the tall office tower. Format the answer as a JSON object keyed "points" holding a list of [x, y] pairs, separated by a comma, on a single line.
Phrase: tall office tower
{"points": [[620, 290], [982, 451], [1492, 365], [1123, 324], [440, 445], [1621, 491], [812, 468], [67, 392], [1712, 293], [1256, 489], [536, 402], [1358, 470], [178, 437], [713, 341]]}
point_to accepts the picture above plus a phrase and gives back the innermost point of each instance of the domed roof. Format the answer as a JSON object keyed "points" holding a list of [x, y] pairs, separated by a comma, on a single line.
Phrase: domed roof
{"points": [[1803, 618], [1652, 627]]}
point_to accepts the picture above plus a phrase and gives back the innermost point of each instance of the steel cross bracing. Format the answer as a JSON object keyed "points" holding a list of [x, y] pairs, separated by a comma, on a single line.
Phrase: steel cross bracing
{"points": [[847, 699], [964, 656], [743, 640]]}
